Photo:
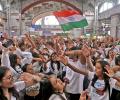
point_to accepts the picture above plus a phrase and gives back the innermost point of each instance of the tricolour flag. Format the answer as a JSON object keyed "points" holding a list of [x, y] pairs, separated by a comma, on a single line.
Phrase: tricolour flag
{"points": [[70, 19]]}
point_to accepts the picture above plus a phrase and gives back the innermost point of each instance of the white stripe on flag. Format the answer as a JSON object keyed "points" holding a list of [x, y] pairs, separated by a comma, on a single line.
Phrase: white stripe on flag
{"points": [[73, 18]]}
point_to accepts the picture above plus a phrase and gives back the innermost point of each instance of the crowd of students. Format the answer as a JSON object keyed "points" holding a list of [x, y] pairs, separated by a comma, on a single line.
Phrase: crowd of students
{"points": [[58, 68]]}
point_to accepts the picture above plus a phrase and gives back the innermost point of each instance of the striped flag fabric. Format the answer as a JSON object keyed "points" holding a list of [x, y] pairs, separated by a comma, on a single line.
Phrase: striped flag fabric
{"points": [[70, 19]]}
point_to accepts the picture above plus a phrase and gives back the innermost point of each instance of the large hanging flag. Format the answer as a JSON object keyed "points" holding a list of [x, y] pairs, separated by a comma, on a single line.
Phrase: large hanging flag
{"points": [[70, 19]]}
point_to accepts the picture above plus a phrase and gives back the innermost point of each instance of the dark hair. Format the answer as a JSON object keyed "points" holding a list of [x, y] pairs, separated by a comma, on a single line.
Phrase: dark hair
{"points": [[3, 71], [117, 60], [0, 61], [74, 48], [46, 89], [46, 49], [107, 56], [73, 56], [21, 45], [52, 62], [13, 60], [24, 68], [49, 43], [34, 54], [105, 77]]}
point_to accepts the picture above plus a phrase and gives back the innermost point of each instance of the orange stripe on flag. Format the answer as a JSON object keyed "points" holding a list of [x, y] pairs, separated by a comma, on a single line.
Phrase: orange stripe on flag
{"points": [[66, 13]]}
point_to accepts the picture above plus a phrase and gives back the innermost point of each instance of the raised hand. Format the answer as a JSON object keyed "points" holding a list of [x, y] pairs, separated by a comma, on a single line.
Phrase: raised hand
{"points": [[27, 35], [109, 72], [83, 95], [62, 59], [29, 79], [86, 51]]}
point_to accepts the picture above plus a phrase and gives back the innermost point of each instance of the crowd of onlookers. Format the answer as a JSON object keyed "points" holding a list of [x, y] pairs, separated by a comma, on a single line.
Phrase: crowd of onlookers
{"points": [[59, 68]]}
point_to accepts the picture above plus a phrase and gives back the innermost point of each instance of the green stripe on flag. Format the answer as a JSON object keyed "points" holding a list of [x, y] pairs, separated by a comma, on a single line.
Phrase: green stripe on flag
{"points": [[66, 27], [71, 25]]}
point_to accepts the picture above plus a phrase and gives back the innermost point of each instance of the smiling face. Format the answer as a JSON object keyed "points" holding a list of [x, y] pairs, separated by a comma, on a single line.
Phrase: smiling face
{"points": [[111, 53], [7, 80], [57, 84]]}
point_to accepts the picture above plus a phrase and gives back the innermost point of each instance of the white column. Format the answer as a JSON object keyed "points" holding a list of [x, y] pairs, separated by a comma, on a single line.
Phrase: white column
{"points": [[114, 23], [14, 22], [24, 27], [96, 20]]}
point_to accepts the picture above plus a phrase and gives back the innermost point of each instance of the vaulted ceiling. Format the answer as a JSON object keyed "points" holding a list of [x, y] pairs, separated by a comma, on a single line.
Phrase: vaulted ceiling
{"points": [[84, 5], [34, 9]]}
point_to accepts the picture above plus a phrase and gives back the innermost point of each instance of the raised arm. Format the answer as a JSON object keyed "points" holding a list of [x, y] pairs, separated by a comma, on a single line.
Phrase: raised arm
{"points": [[116, 68], [80, 70], [30, 40], [86, 52], [5, 58], [90, 64], [110, 72], [66, 62], [117, 83], [73, 52], [6, 62], [29, 79]]}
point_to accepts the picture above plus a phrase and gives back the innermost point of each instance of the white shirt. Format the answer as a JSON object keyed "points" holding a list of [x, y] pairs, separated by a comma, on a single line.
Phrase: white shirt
{"points": [[18, 69], [6, 62], [57, 97], [35, 87], [56, 71], [100, 84], [101, 50], [19, 86], [112, 63], [75, 85], [117, 75], [117, 49]]}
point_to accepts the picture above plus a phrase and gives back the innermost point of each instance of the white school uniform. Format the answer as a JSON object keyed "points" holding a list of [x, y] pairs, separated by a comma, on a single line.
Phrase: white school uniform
{"points": [[100, 84], [75, 85]]}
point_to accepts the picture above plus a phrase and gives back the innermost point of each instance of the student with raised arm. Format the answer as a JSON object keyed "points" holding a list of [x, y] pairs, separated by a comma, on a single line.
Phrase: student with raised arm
{"points": [[30, 40], [116, 75], [75, 86], [100, 83], [85, 55], [6, 62]]}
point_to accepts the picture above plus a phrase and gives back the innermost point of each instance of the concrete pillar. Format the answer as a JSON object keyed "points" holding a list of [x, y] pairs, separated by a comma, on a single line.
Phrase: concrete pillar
{"points": [[114, 23], [96, 20], [24, 27], [14, 23]]}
